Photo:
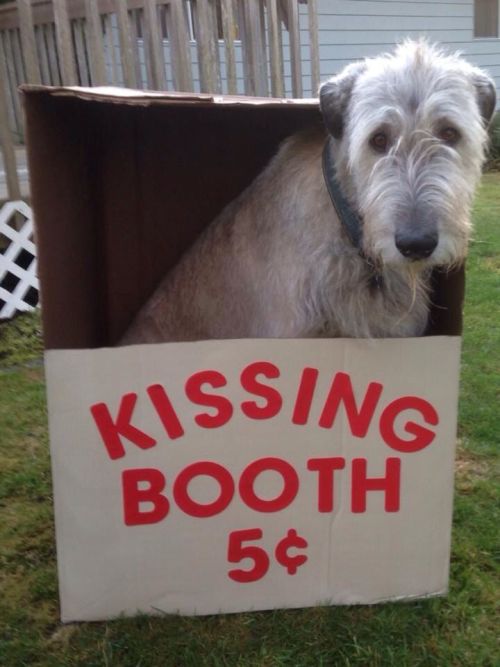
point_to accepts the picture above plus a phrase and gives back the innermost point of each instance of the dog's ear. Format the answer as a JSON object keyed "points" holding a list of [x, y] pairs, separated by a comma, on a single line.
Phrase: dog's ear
{"points": [[334, 96], [486, 95]]}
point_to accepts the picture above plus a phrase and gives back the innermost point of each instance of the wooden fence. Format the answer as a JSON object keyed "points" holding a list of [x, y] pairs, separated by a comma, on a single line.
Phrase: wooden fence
{"points": [[250, 47]]}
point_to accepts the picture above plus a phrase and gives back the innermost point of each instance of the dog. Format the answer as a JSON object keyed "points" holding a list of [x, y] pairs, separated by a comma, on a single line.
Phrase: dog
{"points": [[400, 154]]}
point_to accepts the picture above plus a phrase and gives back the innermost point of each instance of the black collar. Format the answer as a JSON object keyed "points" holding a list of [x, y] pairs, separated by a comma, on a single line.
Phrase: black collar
{"points": [[349, 219]]}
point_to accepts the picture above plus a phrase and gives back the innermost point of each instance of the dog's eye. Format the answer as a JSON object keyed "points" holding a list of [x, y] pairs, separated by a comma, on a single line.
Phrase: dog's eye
{"points": [[449, 135], [379, 142]]}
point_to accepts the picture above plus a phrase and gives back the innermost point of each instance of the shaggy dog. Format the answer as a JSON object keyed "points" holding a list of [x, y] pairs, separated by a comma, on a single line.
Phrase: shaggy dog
{"points": [[403, 147]]}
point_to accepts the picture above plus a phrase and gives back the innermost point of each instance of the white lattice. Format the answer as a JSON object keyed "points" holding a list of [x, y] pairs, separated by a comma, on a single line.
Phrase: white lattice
{"points": [[17, 268]]}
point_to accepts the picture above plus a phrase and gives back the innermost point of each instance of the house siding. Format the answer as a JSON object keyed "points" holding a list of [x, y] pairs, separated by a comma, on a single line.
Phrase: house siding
{"points": [[354, 29]]}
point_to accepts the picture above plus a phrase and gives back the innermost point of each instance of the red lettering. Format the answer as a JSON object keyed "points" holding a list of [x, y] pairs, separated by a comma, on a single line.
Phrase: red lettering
{"points": [[423, 436], [237, 551], [390, 484], [305, 395], [220, 403], [326, 468], [133, 496], [112, 430], [165, 411], [341, 391], [252, 471], [210, 469], [272, 396]]}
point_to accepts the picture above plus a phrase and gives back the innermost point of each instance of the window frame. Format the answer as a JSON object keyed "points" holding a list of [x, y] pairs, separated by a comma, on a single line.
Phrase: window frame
{"points": [[476, 5]]}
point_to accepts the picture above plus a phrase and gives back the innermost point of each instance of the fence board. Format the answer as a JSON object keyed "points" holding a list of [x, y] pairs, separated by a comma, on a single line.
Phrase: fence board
{"points": [[275, 52], [42, 55], [179, 46], [229, 34], [294, 30], [214, 30], [147, 61], [20, 77], [126, 48], [28, 41], [95, 43], [244, 46], [6, 143], [50, 39], [312, 15], [11, 80], [263, 41], [81, 64], [64, 45], [250, 47], [18, 57], [110, 46], [136, 17], [154, 49], [256, 51], [283, 19], [207, 57]]}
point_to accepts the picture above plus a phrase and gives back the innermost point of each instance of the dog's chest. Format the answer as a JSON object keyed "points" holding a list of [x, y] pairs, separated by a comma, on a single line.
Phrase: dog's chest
{"points": [[387, 306]]}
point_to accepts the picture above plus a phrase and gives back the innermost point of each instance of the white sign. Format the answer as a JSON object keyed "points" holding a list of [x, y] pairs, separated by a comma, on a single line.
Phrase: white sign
{"points": [[224, 476]]}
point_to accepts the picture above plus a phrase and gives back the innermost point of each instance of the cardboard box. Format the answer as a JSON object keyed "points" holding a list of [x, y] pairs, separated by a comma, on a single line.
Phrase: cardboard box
{"points": [[223, 475]]}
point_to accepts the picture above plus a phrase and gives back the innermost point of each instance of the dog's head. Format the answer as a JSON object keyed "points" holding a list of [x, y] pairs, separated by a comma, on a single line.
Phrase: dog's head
{"points": [[410, 132]]}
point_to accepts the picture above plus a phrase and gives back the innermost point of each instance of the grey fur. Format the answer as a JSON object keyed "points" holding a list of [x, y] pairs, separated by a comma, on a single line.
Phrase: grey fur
{"points": [[276, 262]]}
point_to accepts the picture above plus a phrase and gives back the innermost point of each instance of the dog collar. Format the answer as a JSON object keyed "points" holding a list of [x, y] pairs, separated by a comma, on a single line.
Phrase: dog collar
{"points": [[349, 219]]}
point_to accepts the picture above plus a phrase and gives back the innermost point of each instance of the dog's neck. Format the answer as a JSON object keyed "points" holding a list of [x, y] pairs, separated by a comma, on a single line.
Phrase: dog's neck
{"points": [[350, 219]]}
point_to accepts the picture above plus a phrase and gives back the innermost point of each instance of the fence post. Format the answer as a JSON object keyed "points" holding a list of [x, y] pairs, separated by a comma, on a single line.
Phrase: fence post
{"points": [[229, 32], [42, 50], [64, 43], [50, 38], [205, 40], [95, 43], [10, 80], [276, 54], [154, 47], [255, 50], [295, 62], [179, 46], [6, 143], [28, 43], [126, 49], [312, 13]]}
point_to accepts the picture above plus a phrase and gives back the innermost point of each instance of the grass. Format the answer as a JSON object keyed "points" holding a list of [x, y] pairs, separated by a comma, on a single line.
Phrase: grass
{"points": [[460, 629], [21, 341], [493, 162]]}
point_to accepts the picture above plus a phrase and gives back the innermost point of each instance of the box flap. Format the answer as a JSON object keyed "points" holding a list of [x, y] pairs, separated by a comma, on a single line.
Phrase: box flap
{"points": [[147, 97]]}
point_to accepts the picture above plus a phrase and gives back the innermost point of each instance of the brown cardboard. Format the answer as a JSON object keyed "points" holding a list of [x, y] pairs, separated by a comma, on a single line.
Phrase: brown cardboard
{"points": [[122, 183]]}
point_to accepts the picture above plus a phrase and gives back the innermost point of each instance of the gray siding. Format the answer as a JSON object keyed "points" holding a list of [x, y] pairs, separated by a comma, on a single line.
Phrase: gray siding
{"points": [[353, 29]]}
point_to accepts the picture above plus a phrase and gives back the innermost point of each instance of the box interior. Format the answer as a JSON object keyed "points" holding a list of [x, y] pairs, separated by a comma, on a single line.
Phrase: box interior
{"points": [[121, 186]]}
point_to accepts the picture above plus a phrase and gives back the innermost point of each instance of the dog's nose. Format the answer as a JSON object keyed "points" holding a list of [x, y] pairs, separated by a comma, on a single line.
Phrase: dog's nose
{"points": [[416, 246]]}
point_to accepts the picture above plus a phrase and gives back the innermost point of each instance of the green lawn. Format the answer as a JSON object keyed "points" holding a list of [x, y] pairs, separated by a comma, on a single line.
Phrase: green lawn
{"points": [[460, 629]]}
